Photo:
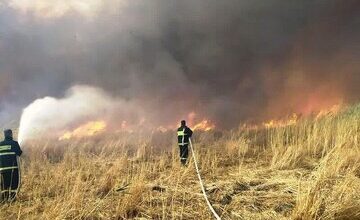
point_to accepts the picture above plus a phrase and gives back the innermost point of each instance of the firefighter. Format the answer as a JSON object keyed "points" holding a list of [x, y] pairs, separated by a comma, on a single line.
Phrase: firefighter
{"points": [[184, 134], [9, 167]]}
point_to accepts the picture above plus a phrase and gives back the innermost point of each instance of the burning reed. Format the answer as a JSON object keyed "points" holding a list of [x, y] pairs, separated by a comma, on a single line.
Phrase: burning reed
{"points": [[306, 170]]}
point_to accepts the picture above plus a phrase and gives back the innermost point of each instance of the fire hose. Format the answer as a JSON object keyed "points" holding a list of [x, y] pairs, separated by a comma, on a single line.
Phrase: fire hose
{"points": [[202, 183], [19, 170]]}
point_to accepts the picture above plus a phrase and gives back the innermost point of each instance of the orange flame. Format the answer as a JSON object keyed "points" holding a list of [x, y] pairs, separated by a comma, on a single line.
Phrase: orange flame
{"points": [[292, 120], [282, 123], [332, 111], [204, 125], [87, 130]]}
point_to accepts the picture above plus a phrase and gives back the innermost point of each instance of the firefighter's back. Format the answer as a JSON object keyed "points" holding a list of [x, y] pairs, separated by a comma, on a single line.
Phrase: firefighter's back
{"points": [[8, 154], [9, 167]]}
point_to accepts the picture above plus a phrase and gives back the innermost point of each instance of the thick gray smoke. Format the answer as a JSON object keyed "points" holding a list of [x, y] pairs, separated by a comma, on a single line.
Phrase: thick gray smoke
{"points": [[229, 60]]}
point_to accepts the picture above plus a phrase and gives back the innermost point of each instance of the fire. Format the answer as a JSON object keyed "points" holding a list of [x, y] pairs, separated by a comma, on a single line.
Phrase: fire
{"points": [[87, 130], [204, 125], [332, 111], [282, 123], [274, 123], [293, 119], [95, 127]]}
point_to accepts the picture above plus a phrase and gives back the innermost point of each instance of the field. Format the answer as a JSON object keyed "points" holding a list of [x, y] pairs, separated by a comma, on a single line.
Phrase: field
{"points": [[310, 170]]}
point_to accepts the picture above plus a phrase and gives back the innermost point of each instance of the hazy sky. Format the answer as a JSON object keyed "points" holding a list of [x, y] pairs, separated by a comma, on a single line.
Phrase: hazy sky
{"points": [[230, 60]]}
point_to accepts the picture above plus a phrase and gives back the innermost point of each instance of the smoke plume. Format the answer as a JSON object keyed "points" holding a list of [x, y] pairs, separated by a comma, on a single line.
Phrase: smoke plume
{"points": [[227, 61]]}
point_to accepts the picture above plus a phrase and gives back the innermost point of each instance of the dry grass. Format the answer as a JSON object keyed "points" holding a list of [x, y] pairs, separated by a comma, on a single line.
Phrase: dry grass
{"points": [[307, 171]]}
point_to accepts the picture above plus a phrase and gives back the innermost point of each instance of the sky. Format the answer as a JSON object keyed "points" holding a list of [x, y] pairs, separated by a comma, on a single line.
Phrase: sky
{"points": [[228, 61]]}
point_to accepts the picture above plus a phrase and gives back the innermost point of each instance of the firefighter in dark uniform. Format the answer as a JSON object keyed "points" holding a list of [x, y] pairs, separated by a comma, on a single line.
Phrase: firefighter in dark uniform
{"points": [[184, 134], [9, 167]]}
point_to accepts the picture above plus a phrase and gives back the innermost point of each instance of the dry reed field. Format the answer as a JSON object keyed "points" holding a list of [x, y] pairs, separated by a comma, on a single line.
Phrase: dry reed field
{"points": [[309, 170]]}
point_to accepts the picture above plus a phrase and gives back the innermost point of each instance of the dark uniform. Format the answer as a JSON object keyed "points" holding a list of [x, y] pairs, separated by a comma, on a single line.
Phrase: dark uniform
{"points": [[9, 170], [184, 134]]}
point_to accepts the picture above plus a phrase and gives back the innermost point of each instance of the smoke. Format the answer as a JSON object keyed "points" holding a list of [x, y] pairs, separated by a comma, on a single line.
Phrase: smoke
{"points": [[55, 8], [50, 117], [228, 61]]}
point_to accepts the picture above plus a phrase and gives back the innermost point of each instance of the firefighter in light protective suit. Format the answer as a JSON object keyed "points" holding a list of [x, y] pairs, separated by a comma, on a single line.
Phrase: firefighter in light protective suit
{"points": [[9, 167], [184, 134]]}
